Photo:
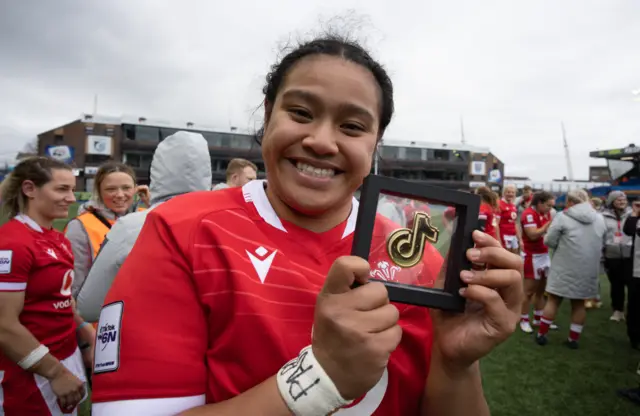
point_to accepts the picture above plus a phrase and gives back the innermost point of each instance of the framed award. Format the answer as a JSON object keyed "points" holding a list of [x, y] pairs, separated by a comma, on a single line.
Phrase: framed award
{"points": [[415, 238]]}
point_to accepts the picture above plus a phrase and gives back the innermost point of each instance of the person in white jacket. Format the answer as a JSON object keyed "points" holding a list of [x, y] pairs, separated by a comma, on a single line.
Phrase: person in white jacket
{"points": [[181, 164]]}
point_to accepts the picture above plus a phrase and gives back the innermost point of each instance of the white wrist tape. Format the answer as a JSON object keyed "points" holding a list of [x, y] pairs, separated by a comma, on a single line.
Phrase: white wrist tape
{"points": [[306, 388], [34, 357]]}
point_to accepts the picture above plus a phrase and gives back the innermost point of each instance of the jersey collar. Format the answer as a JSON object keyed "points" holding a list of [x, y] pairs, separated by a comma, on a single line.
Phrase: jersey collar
{"points": [[29, 222], [254, 192]]}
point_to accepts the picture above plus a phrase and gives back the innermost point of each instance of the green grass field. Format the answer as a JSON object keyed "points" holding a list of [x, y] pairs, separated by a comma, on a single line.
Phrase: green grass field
{"points": [[524, 379], [57, 224]]}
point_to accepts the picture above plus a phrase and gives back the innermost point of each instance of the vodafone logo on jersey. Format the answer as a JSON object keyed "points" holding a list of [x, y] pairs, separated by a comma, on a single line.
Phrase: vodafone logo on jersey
{"points": [[67, 282], [65, 290], [62, 304]]}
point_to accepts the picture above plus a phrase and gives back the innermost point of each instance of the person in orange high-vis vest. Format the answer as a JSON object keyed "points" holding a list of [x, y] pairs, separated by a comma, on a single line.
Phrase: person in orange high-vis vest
{"points": [[113, 197]]}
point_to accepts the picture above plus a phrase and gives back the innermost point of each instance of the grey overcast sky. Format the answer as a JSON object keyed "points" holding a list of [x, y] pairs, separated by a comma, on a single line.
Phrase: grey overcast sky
{"points": [[514, 70]]}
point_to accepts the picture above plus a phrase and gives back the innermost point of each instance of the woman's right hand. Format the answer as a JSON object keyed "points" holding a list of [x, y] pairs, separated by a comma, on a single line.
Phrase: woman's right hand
{"points": [[68, 388], [355, 330]]}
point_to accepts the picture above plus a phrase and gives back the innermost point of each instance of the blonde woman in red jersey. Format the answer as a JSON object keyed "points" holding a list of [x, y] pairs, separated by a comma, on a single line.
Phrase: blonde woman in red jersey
{"points": [[41, 369], [488, 212], [241, 301], [509, 227]]}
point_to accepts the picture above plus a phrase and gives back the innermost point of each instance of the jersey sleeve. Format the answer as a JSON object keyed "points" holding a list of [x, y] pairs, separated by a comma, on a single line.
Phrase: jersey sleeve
{"points": [[16, 260], [528, 219], [152, 335], [100, 278]]}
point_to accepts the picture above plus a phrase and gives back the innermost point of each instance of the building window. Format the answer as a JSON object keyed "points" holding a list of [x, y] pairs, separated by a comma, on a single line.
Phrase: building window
{"points": [[147, 134], [240, 141], [165, 132], [96, 160], [454, 176], [145, 161], [129, 132], [460, 156], [413, 153], [132, 160], [225, 140], [58, 139], [441, 154], [213, 139], [389, 152]]}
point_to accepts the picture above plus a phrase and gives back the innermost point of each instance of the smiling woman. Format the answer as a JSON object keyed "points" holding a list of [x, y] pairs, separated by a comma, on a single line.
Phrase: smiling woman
{"points": [[41, 369], [114, 189], [253, 285]]}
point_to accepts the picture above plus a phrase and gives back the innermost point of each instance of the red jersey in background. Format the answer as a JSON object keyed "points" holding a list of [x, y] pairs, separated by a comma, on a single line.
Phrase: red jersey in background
{"points": [[39, 263], [531, 218], [488, 219]]}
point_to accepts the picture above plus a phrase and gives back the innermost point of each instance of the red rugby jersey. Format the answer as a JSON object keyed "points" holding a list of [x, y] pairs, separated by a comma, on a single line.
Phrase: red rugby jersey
{"points": [[39, 262], [488, 215], [508, 217], [532, 219], [219, 293]]}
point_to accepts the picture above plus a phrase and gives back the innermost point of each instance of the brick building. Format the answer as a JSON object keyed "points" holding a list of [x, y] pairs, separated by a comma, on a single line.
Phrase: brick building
{"points": [[93, 139]]}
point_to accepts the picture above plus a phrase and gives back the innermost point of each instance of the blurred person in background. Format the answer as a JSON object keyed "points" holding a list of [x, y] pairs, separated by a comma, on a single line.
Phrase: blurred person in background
{"points": [[617, 251], [488, 218], [597, 204], [41, 368], [390, 207], [576, 237], [509, 231], [596, 302], [524, 201], [113, 197], [181, 164], [631, 227], [535, 222], [239, 172]]}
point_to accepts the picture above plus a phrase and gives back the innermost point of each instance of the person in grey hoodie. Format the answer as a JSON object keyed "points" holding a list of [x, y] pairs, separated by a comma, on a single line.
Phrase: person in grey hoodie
{"points": [[181, 164], [617, 251], [576, 238]]}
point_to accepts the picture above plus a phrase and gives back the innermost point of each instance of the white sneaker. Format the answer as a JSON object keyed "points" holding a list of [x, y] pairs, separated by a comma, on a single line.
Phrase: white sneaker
{"points": [[525, 326], [553, 327], [617, 316]]}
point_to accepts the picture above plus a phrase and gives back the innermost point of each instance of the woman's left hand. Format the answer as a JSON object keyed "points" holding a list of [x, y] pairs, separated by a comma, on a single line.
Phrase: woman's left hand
{"points": [[494, 298]]}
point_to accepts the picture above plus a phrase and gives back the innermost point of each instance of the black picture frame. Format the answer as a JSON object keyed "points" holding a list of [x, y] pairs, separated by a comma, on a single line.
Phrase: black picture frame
{"points": [[467, 207]]}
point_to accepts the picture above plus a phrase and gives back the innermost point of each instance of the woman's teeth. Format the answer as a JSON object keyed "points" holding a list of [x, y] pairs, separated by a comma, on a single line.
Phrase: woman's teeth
{"points": [[312, 171]]}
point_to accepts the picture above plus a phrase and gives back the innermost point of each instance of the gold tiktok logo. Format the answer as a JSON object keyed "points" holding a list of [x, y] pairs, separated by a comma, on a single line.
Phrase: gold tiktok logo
{"points": [[406, 246]]}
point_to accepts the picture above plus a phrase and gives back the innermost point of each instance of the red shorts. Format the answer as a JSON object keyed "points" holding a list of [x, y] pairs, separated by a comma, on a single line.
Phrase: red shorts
{"points": [[536, 266], [27, 394]]}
